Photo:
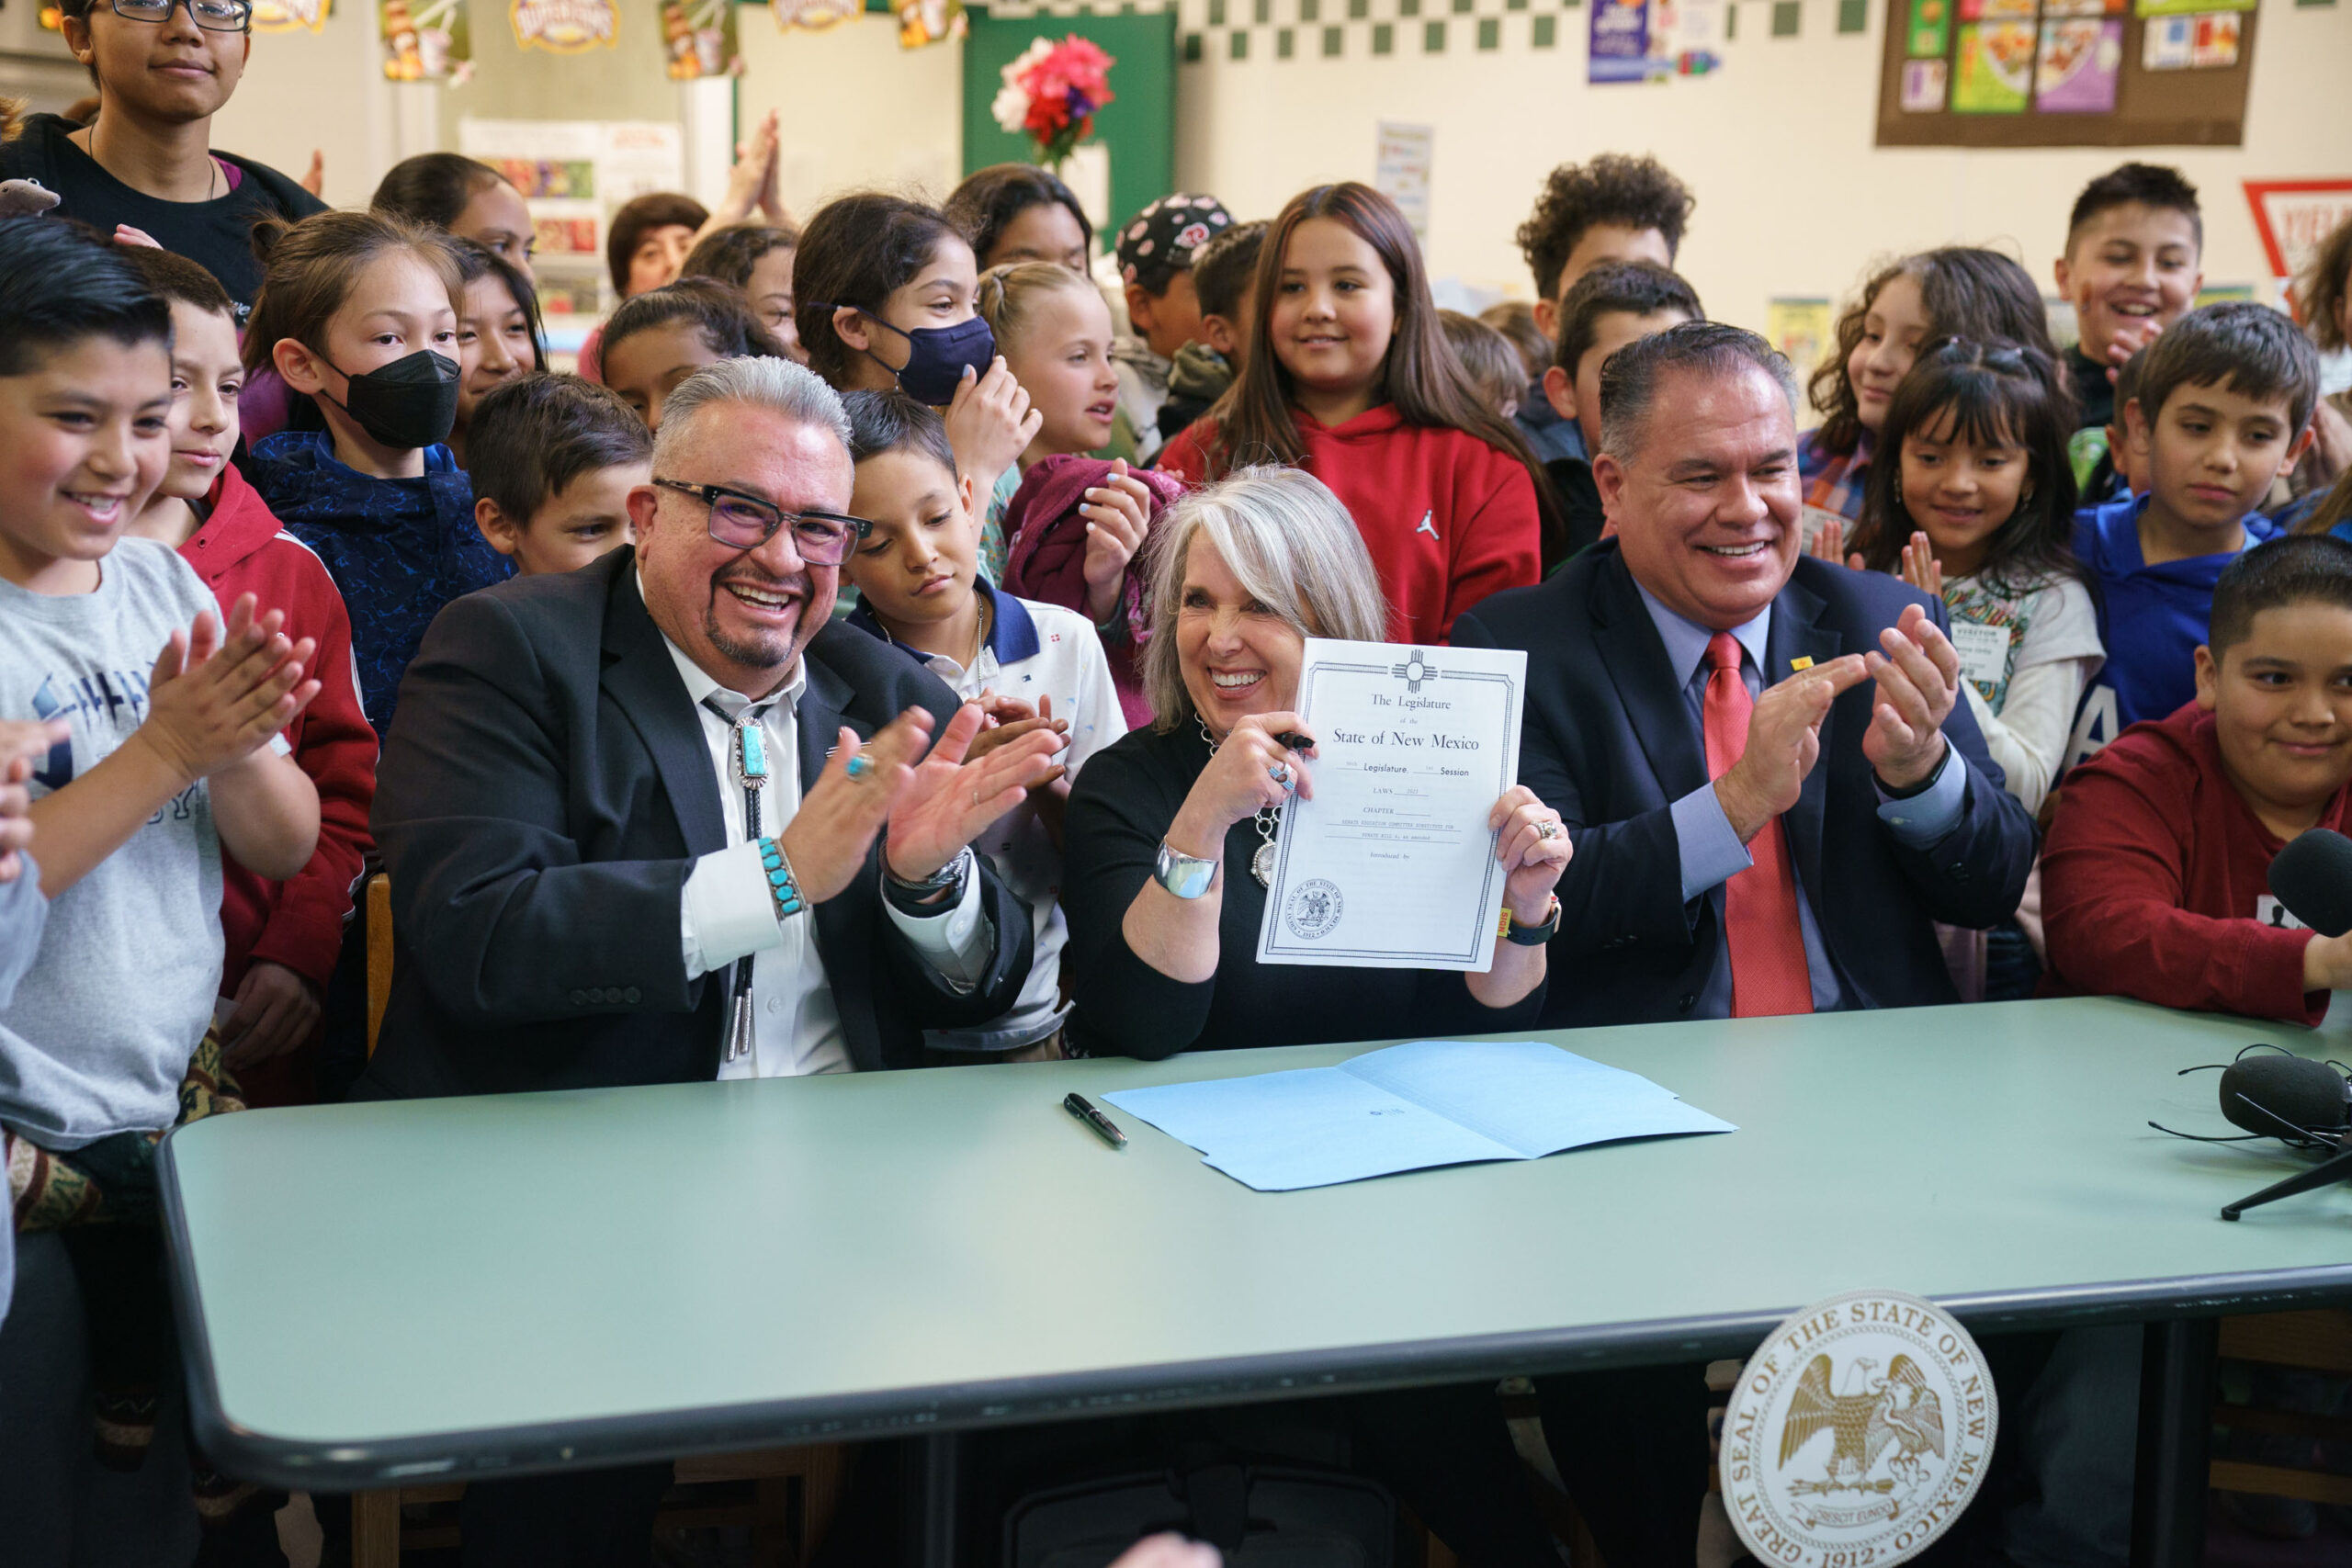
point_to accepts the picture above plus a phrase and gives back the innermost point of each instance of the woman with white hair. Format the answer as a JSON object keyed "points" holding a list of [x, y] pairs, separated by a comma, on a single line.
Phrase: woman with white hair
{"points": [[1164, 905], [1165, 828]]}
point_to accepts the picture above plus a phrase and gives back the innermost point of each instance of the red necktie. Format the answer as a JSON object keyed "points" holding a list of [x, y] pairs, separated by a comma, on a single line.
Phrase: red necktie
{"points": [[1768, 977]]}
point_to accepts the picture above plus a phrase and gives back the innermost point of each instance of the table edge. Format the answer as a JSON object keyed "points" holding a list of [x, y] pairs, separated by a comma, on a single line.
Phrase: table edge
{"points": [[324, 1465]]}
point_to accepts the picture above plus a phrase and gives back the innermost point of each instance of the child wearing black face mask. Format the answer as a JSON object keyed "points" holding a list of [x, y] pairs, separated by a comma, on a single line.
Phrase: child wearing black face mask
{"points": [[883, 299], [358, 313]]}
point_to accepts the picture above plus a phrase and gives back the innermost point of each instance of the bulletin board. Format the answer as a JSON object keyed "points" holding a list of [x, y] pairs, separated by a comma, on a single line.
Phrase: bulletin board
{"points": [[2065, 72]]}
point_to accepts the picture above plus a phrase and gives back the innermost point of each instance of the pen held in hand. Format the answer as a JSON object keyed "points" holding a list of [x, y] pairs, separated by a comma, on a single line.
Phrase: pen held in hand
{"points": [[1078, 1105]]}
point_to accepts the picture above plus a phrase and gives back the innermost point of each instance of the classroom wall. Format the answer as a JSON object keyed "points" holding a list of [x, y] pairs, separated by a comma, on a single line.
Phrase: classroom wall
{"points": [[858, 110], [1793, 199]]}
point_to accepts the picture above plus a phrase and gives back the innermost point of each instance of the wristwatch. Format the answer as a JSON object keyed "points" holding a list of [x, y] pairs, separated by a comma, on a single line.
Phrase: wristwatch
{"points": [[910, 893], [1187, 877], [1535, 935]]}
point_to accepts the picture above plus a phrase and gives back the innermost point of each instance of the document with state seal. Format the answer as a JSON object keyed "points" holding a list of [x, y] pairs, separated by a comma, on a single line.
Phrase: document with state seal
{"points": [[1392, 864]]}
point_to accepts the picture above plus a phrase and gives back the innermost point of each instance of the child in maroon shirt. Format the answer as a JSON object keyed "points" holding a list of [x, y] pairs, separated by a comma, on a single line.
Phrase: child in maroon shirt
{"points": [[2155, 875], [282, 938]]}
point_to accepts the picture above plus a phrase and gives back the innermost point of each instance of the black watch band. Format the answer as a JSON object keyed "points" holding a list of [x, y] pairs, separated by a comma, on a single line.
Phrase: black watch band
{"points": [[1924, 786]]}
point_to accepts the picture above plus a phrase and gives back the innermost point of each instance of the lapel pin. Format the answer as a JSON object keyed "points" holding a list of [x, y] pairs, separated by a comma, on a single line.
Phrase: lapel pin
{"points": [[1802, 661]]}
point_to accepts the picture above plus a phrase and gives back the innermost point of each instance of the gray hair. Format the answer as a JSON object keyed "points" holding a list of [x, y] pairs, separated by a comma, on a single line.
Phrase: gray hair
{"points": [[1630, 378], [1289, 541], [777, 385]]}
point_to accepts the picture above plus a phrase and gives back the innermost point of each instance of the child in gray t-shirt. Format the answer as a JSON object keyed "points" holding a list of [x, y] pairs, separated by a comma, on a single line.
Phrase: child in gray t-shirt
{"points": [[169, 709]]}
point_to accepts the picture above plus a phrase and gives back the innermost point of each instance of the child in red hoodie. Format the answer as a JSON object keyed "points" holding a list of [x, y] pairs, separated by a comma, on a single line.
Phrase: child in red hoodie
{"points": [[282, 938], [2155, 880], [1349, 376]]}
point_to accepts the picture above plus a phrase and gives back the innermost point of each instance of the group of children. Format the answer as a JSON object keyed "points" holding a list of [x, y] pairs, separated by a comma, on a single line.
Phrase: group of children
{"points": [[220, 546]]}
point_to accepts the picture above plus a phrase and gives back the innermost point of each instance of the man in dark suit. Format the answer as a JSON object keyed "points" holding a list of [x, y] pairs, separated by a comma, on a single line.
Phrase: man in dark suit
{"points": [[1859, 767], [1774, 795], [589, 890]]}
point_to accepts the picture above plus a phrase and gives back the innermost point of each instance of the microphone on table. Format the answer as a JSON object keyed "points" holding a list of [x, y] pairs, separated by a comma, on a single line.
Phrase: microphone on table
{"points": [[2273, 1093]]}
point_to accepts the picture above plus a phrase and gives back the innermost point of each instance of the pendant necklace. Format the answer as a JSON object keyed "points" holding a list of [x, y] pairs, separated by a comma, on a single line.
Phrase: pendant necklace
{"points": [[1270, 818]]}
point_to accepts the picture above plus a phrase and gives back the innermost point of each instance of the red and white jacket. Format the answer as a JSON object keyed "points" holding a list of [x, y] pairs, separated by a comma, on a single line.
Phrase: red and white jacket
{"points": [[298, 923], [1448, 519]]}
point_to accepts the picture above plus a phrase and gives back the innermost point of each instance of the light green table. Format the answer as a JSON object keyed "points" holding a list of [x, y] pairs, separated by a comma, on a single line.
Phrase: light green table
{"points": [[374, 1293]]}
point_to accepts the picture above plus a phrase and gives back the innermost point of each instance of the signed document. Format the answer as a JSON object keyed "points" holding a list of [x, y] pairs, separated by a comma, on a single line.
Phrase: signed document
{"points": [[1392, 863]]}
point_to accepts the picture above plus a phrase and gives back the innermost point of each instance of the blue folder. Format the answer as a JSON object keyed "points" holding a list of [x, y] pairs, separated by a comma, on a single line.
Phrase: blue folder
{"points": [[1410, 1107]]}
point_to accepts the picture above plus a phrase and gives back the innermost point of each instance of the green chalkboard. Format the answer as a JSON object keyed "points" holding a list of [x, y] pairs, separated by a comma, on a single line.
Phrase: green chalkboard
{"points": [[1139, 124]]}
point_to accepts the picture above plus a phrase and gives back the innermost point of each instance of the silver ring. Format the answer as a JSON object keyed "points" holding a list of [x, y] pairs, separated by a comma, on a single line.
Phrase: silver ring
{"points": [[858, 766], [1280, 773], [1547, 830]]}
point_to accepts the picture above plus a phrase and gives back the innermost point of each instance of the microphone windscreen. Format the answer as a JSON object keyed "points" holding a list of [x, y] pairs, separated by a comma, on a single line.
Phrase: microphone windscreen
{"points": [[2309, 1094], [2313, 877]]}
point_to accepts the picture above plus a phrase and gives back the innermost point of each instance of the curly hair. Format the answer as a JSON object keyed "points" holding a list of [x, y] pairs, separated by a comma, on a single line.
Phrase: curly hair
{"points": [[1968, 292], [1615, 187], [2319, 291]]}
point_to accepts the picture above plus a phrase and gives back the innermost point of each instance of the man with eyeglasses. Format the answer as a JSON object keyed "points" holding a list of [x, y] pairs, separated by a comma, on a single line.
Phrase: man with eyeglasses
{"points": [[658, 820], [164, 69]]}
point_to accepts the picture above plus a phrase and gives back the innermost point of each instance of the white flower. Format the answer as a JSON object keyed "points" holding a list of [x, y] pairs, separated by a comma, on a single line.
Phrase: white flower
{"points": [[1010, 108]]}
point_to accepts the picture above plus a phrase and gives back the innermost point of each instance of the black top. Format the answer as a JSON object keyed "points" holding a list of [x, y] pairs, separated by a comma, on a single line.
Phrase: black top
{"points": [[1580, 501], [1119, 810], [2095, 395], [218, 234]]}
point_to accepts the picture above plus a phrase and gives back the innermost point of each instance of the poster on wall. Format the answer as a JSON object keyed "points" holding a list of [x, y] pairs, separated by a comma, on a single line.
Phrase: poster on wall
{"points": [[1802, 329], [1401, 167], [290, 16], [2076, 70], [1650, 40], [815, 15], [430, 41], [564, 27], [2292, 217], [2064, 73], [572, 174], [698, 39]]}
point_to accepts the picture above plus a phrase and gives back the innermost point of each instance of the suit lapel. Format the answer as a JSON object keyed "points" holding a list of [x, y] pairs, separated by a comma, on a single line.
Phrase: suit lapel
{"points": [[1645, 681], [643, 682], [1796, 633], [819, 718]]}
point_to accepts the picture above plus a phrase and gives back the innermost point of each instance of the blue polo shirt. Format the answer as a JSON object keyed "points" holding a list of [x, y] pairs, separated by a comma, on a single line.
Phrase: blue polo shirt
{"points": [[2152, 619]]}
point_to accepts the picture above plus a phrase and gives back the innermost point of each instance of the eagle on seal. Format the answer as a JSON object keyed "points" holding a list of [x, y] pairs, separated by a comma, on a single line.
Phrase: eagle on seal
{"points": [[1872, 1411]]}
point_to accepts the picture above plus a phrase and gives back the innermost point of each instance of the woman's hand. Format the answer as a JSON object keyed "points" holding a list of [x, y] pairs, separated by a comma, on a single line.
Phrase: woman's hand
{"points": [[1117, 514], [1532, 846], [1010, 718], [989, 424], [1252, 770], [749, 181], [1920, 568]]}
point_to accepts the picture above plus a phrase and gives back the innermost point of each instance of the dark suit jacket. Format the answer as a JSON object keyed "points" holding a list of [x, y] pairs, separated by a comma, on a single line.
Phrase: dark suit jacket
{"points": [[1610, 744], [542, 799]]}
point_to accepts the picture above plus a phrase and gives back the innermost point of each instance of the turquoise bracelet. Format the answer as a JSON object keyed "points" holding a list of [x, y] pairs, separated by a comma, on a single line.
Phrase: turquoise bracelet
{"points": [[781, 886]]}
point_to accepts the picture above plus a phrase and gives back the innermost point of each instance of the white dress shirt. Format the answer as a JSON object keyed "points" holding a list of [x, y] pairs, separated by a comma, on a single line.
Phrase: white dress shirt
{"points": [[727, 912]]}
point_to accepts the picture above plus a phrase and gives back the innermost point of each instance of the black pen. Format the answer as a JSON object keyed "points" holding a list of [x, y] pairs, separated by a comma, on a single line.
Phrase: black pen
{"points": [[1078, 1105], [1302, 744]]}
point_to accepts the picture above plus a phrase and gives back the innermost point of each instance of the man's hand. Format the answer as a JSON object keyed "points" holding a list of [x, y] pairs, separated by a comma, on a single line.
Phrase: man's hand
{"points": [[827, 838], [1783, 743], [1117, 514], [275, 1011], [1918, 682], [23, 742], [215, 696], [949, 802]]}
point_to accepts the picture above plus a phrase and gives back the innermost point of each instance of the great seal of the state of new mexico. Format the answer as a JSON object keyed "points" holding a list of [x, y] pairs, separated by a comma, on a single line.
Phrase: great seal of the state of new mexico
{"points": [[1858, 1433]]}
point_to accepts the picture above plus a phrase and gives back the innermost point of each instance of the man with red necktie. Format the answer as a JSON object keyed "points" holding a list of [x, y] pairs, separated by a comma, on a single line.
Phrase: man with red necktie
{"points": [[1774, 792], [1774, 797]]}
